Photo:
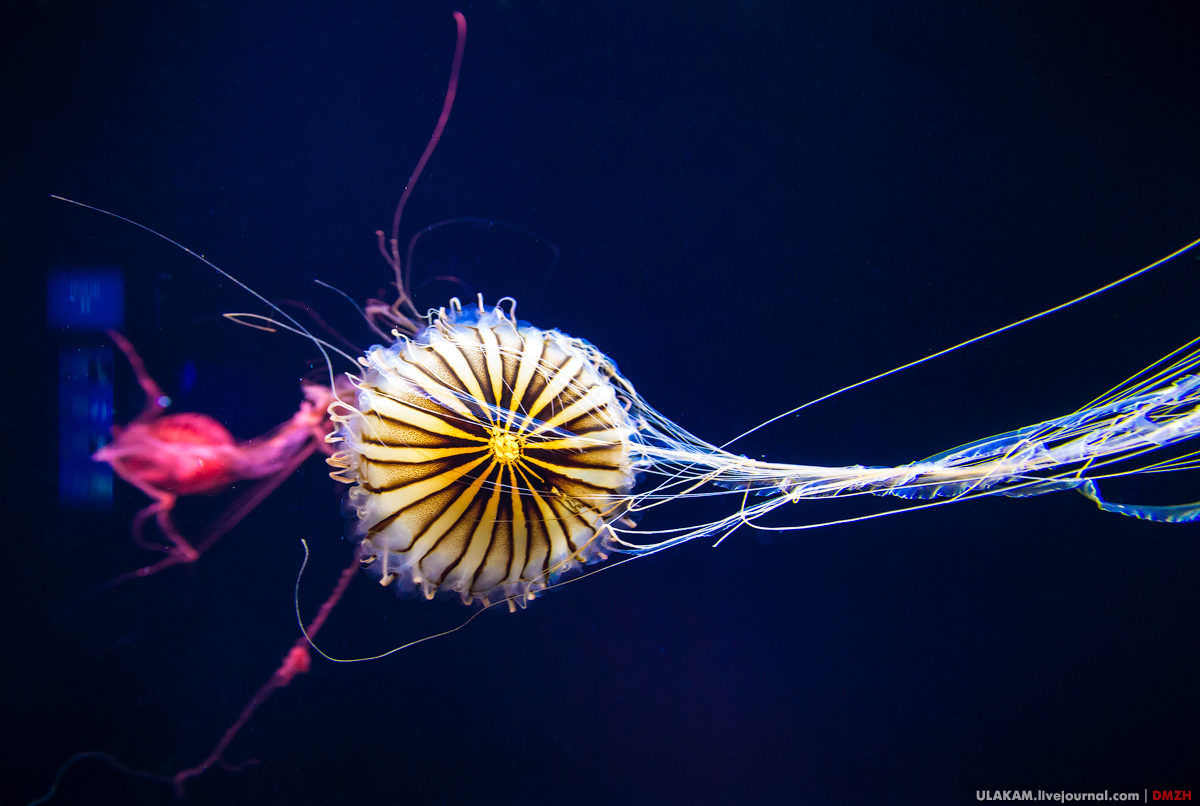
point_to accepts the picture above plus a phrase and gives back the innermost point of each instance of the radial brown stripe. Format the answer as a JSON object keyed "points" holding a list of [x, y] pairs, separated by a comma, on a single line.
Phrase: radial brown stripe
{"points": [[487, 457]]}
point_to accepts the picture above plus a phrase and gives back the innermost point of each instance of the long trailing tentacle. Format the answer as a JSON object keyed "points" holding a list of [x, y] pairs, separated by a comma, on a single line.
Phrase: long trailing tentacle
{"points": [[1012, 325], [403, 314], [299, 327]]}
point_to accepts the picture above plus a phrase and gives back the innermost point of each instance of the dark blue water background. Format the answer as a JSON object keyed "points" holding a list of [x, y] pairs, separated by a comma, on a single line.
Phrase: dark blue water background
{"points": [[756, 203]]}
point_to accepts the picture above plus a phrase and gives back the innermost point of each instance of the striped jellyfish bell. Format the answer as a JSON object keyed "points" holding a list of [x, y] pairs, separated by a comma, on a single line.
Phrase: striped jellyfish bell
{"points": [[487, 457]]}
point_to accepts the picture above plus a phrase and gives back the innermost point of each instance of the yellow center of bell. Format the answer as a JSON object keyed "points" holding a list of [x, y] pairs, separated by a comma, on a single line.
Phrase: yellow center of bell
{"points": [[506, 447]]}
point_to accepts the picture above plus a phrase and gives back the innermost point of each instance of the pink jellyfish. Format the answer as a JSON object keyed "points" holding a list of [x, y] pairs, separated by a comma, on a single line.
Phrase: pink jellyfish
{"points": [[171, 455]]}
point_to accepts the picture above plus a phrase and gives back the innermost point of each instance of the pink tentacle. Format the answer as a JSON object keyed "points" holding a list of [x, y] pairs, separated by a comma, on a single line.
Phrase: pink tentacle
{"points": [[297, 661]]}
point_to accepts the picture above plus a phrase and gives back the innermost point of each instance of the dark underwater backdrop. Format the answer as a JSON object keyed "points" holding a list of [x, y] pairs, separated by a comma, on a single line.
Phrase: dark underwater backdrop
{"points": [[756, 203]]}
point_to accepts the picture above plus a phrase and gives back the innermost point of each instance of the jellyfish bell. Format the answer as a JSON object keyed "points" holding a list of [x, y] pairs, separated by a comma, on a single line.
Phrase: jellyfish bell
{"points": [[488, 457]]}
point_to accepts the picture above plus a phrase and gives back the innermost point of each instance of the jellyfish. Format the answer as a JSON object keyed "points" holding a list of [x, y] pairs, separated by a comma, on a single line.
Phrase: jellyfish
{"points": [[188, 453], [488, 457]]}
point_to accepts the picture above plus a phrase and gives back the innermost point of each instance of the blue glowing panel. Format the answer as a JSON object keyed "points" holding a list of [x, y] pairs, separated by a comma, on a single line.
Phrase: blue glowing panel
{"points": [[85, 298], [85, 415]]}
